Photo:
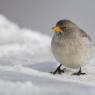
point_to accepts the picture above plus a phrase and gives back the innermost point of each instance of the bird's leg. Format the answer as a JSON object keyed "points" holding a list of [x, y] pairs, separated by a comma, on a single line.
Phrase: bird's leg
{"points": [[58, 70], [79, 72]]}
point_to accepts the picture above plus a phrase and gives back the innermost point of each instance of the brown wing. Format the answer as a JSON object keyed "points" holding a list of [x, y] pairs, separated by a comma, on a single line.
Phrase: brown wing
{"points": [[84, 34]]}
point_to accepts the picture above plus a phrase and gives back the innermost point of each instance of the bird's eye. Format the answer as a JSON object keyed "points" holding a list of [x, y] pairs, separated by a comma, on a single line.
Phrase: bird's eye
{"points": [[64, 27]]}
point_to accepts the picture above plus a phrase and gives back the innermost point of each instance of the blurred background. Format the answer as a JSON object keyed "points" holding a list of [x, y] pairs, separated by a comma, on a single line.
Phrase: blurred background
{"points": [[41, 15]]}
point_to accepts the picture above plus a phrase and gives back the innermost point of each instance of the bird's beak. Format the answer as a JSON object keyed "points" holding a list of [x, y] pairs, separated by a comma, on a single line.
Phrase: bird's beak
{"points": [[56, 29]]}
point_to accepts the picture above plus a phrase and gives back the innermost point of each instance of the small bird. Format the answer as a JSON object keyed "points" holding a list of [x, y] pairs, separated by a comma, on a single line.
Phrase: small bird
{"points": [[71, 46]]}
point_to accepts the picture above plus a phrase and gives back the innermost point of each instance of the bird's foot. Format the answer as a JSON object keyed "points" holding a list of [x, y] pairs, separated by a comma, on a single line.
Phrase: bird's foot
{"points": [[79, 72], [59, 70]]}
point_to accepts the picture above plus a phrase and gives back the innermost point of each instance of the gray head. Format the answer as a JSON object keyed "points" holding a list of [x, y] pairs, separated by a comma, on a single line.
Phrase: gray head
{"points": [[64, 24]]}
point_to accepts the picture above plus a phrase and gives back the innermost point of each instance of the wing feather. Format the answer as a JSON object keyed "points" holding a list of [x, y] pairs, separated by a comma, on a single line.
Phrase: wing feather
{"points": [[84, 34]]}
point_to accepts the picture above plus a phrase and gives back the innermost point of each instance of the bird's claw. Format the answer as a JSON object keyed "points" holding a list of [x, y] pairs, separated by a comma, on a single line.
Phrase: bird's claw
{"points": [[59, 70]]}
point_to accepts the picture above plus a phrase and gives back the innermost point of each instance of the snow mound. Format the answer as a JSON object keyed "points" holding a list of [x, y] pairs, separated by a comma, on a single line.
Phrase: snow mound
{"points": [[22, 46]]}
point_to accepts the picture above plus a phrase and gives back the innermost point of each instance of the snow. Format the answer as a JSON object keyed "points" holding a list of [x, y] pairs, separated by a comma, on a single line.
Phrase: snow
{"points": [[25, 63]]}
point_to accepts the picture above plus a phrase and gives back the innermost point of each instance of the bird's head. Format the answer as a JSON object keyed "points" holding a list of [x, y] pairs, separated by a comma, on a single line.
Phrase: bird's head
{"points": [[62, 25]]}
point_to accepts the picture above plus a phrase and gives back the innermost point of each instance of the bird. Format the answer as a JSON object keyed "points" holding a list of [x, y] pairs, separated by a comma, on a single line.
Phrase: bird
{"points": [[71, 46]]}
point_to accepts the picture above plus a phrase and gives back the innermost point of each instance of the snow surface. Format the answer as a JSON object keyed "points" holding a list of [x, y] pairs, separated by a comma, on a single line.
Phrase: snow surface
{"points": [[25, 63]]}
